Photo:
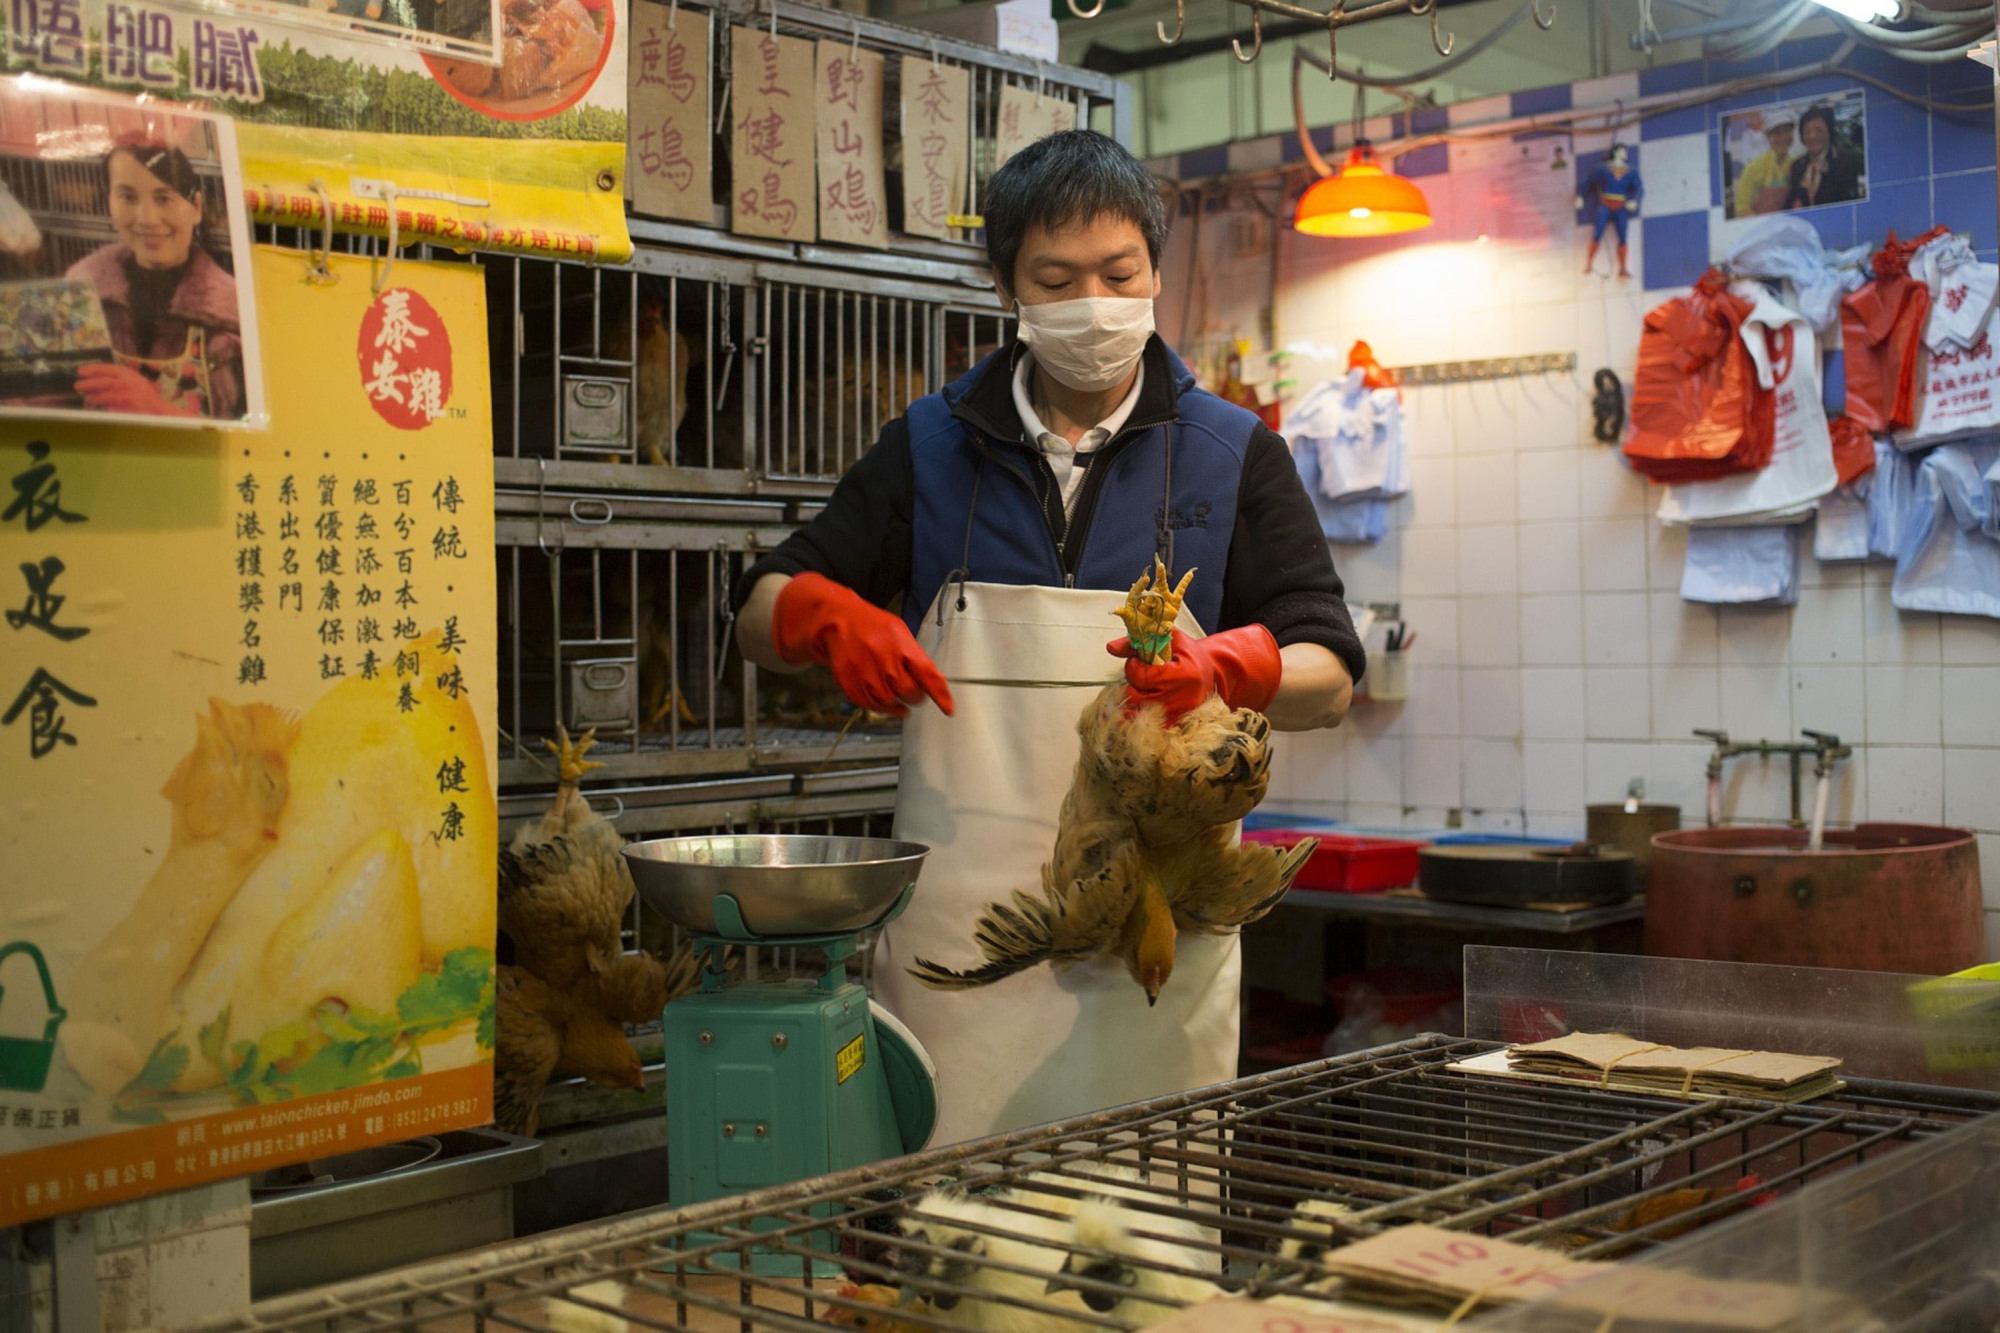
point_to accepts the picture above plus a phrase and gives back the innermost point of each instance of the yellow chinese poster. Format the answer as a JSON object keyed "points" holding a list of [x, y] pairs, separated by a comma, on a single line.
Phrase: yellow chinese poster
{"points": [[247, 731]]}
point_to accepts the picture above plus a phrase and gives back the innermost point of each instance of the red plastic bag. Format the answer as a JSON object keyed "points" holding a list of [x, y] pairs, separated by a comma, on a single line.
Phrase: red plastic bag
{"points": [[1853, 448], [1698, 411], [1881, 332]]}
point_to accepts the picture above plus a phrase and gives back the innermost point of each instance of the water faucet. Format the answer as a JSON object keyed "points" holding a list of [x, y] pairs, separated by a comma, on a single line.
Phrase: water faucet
{"points": [[1828, 751], [1827, 747], [1721, 752]]}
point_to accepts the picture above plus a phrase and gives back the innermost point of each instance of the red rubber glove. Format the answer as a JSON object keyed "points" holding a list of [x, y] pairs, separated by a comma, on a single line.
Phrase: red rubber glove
{"points": [[1240, 665], [872, 654]]}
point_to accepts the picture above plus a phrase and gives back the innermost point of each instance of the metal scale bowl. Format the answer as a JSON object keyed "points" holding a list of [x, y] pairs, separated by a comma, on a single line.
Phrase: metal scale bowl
{"points": [[775, 1080]]}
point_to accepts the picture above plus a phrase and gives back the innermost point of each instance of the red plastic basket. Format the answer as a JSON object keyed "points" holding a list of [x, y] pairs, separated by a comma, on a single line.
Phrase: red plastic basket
{"points": [[1347, 863]]}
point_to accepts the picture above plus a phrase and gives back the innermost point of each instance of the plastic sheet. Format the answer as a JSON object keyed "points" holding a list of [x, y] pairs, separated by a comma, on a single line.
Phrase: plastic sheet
{"points": [[1742, 566], [1949, 561], [1790, 248], [1841, 532], [1890, 488]]}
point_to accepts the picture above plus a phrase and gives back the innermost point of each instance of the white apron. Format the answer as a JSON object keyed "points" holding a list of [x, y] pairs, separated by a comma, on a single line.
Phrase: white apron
{"points": [[983, 789]]}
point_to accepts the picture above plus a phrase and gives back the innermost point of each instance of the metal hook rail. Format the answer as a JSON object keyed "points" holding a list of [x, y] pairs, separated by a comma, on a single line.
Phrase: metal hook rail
{"points": [[1498, 368], [1335, 18]]}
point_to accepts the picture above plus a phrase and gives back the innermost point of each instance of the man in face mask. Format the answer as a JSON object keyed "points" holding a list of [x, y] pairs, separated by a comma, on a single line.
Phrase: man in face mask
{"points": [[1006, 516]]}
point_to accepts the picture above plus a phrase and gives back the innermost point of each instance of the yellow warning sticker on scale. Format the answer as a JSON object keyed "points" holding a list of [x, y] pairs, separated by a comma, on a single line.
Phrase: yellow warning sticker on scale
{"points": [[847, 1061]]}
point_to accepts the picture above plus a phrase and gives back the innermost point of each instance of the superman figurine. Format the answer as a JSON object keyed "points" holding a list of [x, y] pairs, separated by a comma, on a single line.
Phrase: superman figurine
{"points": [[1617, 188]]}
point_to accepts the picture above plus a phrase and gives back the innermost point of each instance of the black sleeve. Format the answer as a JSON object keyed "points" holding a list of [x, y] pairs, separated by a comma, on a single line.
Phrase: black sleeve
{"points": [[1281, 573], [862, 538]]}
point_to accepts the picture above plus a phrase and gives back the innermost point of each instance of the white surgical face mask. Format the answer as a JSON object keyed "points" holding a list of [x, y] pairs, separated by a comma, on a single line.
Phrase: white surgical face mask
{"points": [[1089, 344]]}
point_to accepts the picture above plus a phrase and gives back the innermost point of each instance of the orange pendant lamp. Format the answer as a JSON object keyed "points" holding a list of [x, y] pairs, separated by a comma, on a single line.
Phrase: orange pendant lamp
{"points": [[1361, 199]]}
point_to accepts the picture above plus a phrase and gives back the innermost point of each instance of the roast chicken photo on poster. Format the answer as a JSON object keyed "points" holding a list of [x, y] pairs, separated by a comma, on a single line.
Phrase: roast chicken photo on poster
{"points": [[310, 927], [122, 229], [551, 52]]}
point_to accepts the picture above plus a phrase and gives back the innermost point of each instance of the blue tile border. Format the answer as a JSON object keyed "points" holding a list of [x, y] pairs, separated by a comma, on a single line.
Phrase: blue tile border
{"points": [[1674, 249], [1205, 162], [1537, 100], [1967, 203], [1430, 160]]}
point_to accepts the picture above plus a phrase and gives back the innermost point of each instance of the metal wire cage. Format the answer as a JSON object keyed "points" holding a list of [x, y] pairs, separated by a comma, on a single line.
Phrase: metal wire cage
{"points": [[1211, 1183], [617, 616], [699, 373]]}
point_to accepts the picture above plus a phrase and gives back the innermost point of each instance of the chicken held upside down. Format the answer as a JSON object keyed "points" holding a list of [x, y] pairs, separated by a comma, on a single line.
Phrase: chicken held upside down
{"points": [[1145, 845]]}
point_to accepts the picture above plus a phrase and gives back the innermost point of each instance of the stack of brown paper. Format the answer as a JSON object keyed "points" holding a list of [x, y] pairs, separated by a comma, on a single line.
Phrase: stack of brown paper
{"points": [[1614, 1060]]}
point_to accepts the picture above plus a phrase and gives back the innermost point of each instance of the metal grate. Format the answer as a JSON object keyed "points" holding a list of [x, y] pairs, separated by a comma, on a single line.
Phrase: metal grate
{"points": [[616, 614], [1392, 1134]]}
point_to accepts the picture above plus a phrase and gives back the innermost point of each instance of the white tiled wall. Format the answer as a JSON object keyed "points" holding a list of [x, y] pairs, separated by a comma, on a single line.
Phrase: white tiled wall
{"points": [[1554, 659]]}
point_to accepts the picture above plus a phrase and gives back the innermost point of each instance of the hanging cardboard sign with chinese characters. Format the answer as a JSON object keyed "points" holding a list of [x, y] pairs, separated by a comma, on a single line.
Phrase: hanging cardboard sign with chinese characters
{"points": [[771, 150], [515, 142], [936, 146], [1025, 116], [248, 705], [853, 199], [667, 160], [121, 195]]}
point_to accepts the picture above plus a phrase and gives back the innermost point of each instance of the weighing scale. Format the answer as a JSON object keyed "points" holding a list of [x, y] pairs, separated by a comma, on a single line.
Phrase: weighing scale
{"points": [[774, 1080]]}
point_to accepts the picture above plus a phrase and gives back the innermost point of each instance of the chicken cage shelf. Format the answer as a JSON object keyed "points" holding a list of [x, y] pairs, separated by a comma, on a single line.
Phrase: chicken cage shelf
{"points": [[1376, 1140], [746, 803], [704, 374]]}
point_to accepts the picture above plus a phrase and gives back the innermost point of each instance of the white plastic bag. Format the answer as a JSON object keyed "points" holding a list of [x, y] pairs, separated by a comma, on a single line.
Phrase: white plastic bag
{"points": [[1841, 533], [1742, 566], [1786, 353], [1949, 563]]}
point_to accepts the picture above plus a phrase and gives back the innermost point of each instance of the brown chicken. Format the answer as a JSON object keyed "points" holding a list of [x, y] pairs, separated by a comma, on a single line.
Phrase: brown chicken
{"points": [[1145, 847], [662, 371], [564, 1004], [1650, 1214]]}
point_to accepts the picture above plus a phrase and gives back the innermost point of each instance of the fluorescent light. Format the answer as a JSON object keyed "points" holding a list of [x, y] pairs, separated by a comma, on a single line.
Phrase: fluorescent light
{"points": [[1360, 212], [1866, 11]]}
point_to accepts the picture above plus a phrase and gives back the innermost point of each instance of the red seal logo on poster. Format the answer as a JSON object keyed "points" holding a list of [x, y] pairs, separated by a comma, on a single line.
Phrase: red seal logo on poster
{"points": [[405, 355]]}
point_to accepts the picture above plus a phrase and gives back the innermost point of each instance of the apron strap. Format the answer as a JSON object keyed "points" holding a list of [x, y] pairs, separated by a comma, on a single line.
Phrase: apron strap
{"points": [[1167, 502], [964, 570]]}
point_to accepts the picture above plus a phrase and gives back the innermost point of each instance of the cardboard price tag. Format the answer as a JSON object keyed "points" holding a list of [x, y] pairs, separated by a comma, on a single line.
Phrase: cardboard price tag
{"points": [[1452, 1264]]}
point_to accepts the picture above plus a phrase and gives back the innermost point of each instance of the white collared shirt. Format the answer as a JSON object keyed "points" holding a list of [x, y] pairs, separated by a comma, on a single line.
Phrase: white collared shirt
{"points": [[1060, 453]]}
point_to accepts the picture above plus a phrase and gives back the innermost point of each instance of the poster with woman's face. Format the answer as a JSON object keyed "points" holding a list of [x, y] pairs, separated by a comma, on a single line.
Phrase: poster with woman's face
{"points": [[123, 288], [1794, 155]]}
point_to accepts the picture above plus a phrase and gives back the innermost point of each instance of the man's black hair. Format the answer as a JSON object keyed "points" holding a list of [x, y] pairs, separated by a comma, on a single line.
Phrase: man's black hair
{"points": [[1074, 176]]}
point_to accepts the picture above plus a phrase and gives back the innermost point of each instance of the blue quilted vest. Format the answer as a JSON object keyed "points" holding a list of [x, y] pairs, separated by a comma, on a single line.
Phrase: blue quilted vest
{"points": [[978, 498]]}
